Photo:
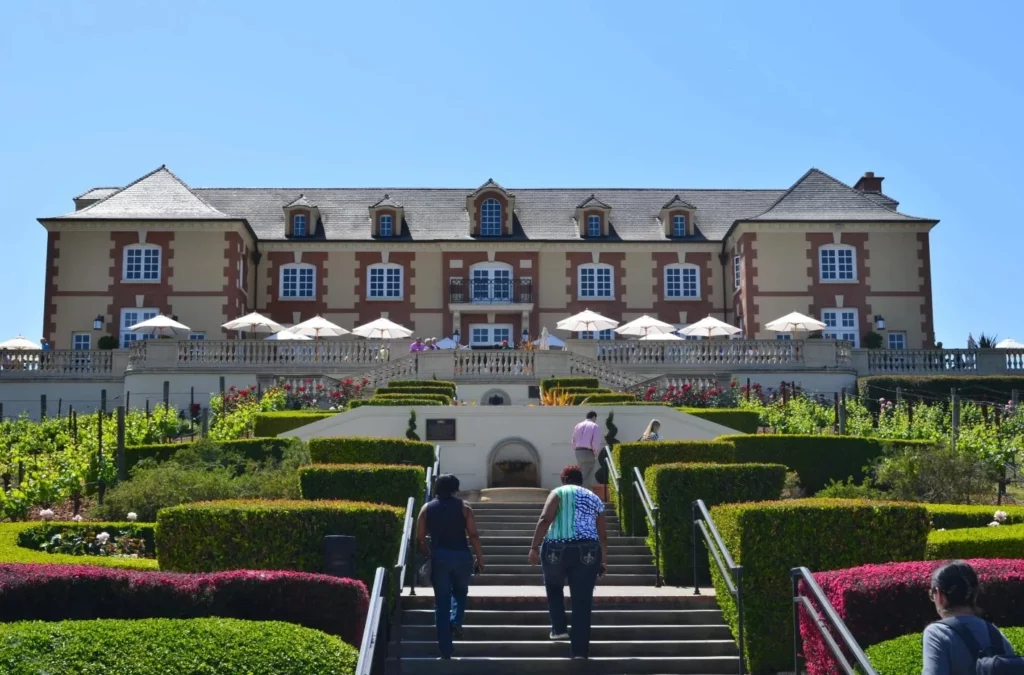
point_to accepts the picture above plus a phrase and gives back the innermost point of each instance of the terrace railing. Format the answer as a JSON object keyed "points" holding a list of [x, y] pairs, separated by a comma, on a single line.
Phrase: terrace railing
{"points": [[494, 363], [607, 375], [732, 574], [57, 363], [828, 626], [922, 361], [729, 353], [324, 353]]}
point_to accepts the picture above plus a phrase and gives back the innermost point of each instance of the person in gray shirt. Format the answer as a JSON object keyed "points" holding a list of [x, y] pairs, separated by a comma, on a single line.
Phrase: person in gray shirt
{"points": [[954, 590]]}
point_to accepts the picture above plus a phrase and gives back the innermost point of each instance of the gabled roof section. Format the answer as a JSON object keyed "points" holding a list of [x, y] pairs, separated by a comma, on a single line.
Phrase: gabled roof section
{"points": [[159, 195], [678, 202], [299, 202], [818, 196], [385, 202], [592, 202], [97, 193]]}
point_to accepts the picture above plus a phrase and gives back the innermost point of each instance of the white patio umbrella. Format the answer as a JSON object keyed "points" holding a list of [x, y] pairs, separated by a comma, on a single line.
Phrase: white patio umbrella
{"points": [[20, 343], [318, 327], [709, 327], [1009, 343], [254, 323], [446, 343], [547, 341], [382, 329], [586, 321], [661, 337], [794, 322], [645, 325], [287, 334], [159, 325]]}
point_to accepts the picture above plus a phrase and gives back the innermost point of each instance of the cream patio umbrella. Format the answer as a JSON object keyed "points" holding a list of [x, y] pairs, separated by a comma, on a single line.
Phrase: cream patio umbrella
{"points": [[661, 337], [287, 334], [645, 325], [382, 329], [253, 323], [710, 327], [1009, 343], [795, 322], [20, 343], [318, 327], [159, 325], [586, 321]]}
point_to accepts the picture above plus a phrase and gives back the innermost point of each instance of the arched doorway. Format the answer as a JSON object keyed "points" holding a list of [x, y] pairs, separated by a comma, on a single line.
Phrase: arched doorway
{"points": [[496, 397], [514, 462]]}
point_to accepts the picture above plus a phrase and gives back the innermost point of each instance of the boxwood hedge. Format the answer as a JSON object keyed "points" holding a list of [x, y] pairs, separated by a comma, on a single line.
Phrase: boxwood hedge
{"points": [[280, 422], [441, 386], [352, 405], [560, 382], [903, 656], [674, 488], [443, 399], [258, 449], [770, 538], [370, 450], [275, 535], [959, 516], [377, 483], [584, 398], [743, 421], [1005, 541], [12, 552], [146, 646]]}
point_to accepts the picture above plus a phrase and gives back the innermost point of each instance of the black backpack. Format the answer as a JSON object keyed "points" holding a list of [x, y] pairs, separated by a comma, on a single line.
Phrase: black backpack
{"points": [[991, 660]]}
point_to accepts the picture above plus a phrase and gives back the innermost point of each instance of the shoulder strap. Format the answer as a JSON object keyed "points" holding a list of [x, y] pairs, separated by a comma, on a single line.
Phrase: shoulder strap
{"points": [[995, 639], [965, 635]]}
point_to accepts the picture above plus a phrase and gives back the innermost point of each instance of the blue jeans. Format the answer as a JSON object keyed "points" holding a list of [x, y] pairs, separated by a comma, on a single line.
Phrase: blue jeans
{"points": [[450, 572], [580, 563]]}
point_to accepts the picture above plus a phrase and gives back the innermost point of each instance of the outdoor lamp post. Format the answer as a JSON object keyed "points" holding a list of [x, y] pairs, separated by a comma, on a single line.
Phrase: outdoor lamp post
{"points": [[526, 335], [97, 323], [456, 336], [879, 322]]}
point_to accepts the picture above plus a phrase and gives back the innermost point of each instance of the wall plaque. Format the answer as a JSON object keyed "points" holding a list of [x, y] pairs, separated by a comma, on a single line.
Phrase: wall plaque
{"points": [[441, 430]]}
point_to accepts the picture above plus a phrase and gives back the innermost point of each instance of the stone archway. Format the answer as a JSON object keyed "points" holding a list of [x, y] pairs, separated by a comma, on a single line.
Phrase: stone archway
{"points": [[496, 397], [513, 462]]}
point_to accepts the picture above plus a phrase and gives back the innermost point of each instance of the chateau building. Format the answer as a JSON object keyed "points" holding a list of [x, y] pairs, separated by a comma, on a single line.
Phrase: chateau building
{"points": [[491, 262]]}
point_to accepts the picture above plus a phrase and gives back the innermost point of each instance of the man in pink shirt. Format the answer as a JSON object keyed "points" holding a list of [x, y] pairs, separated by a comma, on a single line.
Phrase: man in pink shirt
{"points": [[586, 441], [417, 346]]}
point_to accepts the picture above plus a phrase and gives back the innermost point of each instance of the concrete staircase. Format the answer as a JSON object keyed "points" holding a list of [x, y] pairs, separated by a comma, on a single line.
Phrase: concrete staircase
{"points": [[637, 629]]}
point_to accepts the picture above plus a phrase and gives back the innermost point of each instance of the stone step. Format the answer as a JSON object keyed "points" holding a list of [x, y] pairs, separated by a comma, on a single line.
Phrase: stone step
{"points": [[631, 665], [490, 578], [547, 648], [520, 531], [506, 539], [522, 567], [540, 631], [670, 608], [521, 522], [524, 549], [614, 558]]}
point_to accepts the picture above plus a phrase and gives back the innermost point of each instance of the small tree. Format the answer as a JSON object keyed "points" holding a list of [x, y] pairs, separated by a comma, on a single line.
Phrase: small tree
{"points": [[410, 433], [872, 340], [610, 438]]}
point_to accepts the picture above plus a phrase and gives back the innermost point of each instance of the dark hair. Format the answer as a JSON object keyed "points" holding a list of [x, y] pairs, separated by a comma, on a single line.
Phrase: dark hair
{"points": [[591, 415], [446, 485], [958, 582], [572, 475]]}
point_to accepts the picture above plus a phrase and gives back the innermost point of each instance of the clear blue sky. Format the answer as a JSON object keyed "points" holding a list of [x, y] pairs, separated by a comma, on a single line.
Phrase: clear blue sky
{"points": [[667, 94]]}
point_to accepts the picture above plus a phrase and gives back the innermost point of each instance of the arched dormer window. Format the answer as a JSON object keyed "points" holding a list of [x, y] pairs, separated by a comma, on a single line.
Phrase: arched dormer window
{"points": [[596, 281], [837, 262], [384, 281], [299, 225], [491, 211], [682, 282], [142, 262], [298, 281], [490, 218]]}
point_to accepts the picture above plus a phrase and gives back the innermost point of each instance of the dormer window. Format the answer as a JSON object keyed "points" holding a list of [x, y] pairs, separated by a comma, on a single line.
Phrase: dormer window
{"points": [[593, 226], [299, 225], [679, 225], [386, 218], [677, 218], [386, 225], [490, 218], [491, 211], [592, 216], [301, 217]]}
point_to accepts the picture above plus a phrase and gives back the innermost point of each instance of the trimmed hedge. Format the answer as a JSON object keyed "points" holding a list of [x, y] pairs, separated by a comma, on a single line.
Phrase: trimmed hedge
{"points": [[771, 538], [375, 483], [352, 405], [257, 449], [643, 454], [994, 388], [587, 399], [370, 450], [421, 385], [275, 535], [443, 399], [959, 516], [582, 390], [818, 460], [1005, 541], [904, 656], [276, 423], [561, 382], [12, 552], [57, 592], [674, 488], [881, 602], [743, 421], [146, 646]]}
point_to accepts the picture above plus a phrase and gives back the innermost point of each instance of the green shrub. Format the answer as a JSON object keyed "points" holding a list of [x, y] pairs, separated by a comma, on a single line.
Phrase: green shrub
{"points": [[417, 385], [674, 488], [993, 388], [12, 552], [275, 535], [443, 399], [743, 421], [280, 422], [1005, 541], [658, 403], [848, 489], [817, 459], [561, 382], [587, 399], [256, 449], [648, 453], [145, 646], [408, 391], [581, 390], [371, 450], [376, 483], [903, 656], [959, 516], [922, 473], [34, 537], [770, 538], [352, 405]]}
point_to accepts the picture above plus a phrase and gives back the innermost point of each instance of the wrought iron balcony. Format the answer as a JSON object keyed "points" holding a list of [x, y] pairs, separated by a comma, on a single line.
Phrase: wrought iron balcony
{"points": [[490, 291]]}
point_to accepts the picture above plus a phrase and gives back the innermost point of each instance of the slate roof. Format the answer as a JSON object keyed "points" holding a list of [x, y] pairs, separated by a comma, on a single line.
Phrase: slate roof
{"points": [[545, 214], [97, 193], [299, 201]]}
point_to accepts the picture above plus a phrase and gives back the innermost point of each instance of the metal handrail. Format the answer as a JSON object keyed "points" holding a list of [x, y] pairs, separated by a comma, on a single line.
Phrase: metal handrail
{"points": [[369, 655], [732, 573], [863, 664], [653, 519], [407, 544]]}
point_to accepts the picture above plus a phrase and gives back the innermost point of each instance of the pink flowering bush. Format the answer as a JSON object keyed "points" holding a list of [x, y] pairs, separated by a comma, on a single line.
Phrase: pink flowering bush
{"points": [[690, 396], [30, 592], [882, 602]]}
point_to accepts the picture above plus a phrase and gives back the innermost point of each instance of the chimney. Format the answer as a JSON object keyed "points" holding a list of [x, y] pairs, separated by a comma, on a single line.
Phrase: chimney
{"points": [[869, 182]]}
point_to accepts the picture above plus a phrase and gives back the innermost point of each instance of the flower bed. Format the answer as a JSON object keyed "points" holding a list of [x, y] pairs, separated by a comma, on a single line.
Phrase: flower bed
{"points": [[377, 483], [903, 656], [367, 450], [143, 647], [12, 552], [57, 592], [130, 540], [881, 602]]}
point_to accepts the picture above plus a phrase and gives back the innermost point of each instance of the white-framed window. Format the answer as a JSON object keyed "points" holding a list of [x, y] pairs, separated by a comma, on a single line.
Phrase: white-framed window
{"points": [[298, 280], [841, 324], [490, 218], [240, 281], [682, 281], [897, 339], [198, 335], [142, 262], [384, 282], [489, 334], [593, 226], [737, 273], [130, 317], [783, 336], [81, 340], [608, 334], [596, 281], [838, 263], [386, 226], [679, 226], [491, 282], [299, 225]]}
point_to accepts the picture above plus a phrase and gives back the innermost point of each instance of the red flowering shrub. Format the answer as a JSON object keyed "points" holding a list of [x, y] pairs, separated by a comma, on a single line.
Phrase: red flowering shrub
{"points": [[690, 396], [30, 592], [882, 602]]}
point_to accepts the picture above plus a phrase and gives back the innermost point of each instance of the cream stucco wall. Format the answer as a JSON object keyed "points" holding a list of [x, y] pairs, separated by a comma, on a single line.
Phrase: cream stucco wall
{"points": [[341, 280], [772, 307], [201, 313], [75, 314], [428, 280], [198, 261], [427, 324], [781, 262], [901, 314], [554, 274], [83, 261], [892, 262], [638, 280], [549, 320]]}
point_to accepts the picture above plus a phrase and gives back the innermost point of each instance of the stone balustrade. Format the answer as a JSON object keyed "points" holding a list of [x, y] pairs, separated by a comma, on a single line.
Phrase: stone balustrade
{"points": [[61, 363]]}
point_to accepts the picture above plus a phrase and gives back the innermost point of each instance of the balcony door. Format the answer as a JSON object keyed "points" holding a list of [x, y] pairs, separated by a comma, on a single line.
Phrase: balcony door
{"points": [[491, 283]]}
